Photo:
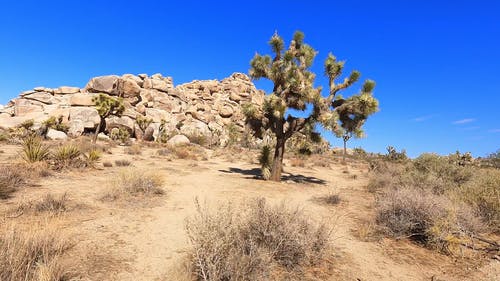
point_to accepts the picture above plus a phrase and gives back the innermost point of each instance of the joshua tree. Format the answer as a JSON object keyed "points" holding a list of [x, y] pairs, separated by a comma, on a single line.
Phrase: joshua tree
{"points": [[289, 70], [107, 106], [353, 113]]}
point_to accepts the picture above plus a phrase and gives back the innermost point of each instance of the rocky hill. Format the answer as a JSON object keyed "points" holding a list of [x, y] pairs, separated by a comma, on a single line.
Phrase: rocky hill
{"points": [[198, 107]]}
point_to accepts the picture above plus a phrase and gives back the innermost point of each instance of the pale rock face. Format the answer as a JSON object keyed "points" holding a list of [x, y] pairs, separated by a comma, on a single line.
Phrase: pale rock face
{"points": [[178, 140], [197, 107], [81, 99], [43, 97], [64, 90], [76, 128], [88, 115], [56, 135], [195, 127], [157, 115], [128, 88], [123, 122], [101, 84]]}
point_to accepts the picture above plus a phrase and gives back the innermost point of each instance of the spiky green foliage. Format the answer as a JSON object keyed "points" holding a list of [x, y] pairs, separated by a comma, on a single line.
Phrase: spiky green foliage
{"points": [[143, 122], [67, 153], [33, 150], [265, 161], [289, 70], [107, 106]]}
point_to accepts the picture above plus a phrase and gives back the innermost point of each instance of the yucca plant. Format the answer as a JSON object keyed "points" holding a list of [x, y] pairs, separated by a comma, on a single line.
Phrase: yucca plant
{"points": [[67, 153], [265, 161], [92, 157], [33, 150]]}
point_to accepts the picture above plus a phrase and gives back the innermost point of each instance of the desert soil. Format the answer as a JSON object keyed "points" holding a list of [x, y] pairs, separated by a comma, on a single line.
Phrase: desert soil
{"points": [[145, 239]]}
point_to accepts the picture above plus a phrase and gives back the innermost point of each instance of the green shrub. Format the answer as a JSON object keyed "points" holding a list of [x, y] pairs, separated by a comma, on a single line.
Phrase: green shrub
{"points": [[56, 123], [120, 134]]}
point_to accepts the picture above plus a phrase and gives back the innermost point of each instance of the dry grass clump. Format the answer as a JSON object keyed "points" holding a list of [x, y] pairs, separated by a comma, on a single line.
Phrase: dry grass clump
{"points": [[49, 203], [329, 199], [11, 177], [135, 182], [33, 255], [297, 162], [254, 243], [122, 163], [191, 152], [107, 164], [134, 149]]}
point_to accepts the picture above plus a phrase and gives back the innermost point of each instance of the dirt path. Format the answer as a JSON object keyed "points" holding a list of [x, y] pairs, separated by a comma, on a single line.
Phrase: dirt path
{"points": [[147, 240]]}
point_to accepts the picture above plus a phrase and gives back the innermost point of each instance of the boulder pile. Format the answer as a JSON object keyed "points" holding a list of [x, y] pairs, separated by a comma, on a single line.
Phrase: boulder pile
{"points": [[199, 107]]}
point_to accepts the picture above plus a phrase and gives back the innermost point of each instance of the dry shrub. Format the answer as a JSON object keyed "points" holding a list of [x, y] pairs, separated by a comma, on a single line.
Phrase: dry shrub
{"points": [[107, 164], [122, 163], [254, 243], [11, 177], [423, 216], [135, 182], [51, 203], [483, 193], [33, 255], [134, 149], [191, 152]]}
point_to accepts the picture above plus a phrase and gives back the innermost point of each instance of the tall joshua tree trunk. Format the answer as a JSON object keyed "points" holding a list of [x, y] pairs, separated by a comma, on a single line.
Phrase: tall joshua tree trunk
{"points": [[279, 152]]}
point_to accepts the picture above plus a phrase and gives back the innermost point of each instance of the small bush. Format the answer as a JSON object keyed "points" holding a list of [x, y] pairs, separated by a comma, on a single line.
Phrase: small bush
{"points": [[122, 163], [33, 150], [251, 244], [33, 255], [133, 182], [120, 134], [107, 164]]}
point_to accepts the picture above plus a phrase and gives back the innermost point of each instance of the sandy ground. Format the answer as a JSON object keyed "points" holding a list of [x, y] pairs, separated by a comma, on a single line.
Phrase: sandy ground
{"points": [[145, 239]]}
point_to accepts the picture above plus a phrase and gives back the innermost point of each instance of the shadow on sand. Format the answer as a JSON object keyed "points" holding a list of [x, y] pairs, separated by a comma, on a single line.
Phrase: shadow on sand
{"points": [[255, 174]]}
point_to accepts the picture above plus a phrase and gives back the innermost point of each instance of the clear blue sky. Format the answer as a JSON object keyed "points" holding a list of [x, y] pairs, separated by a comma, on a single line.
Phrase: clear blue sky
{"points": [[436, 63]]}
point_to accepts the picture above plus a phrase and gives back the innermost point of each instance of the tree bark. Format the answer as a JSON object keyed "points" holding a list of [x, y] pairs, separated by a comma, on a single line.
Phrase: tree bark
{"points": [[279, 151], [97, 131], [345, 150]]}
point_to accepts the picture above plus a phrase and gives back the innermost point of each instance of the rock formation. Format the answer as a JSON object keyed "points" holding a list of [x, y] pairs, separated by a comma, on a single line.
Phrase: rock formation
{"points": [[198, 107]]}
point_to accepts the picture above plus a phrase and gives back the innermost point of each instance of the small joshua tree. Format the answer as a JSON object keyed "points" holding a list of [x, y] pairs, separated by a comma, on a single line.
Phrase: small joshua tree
{"points": [[107, 106], [289, 70]]}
